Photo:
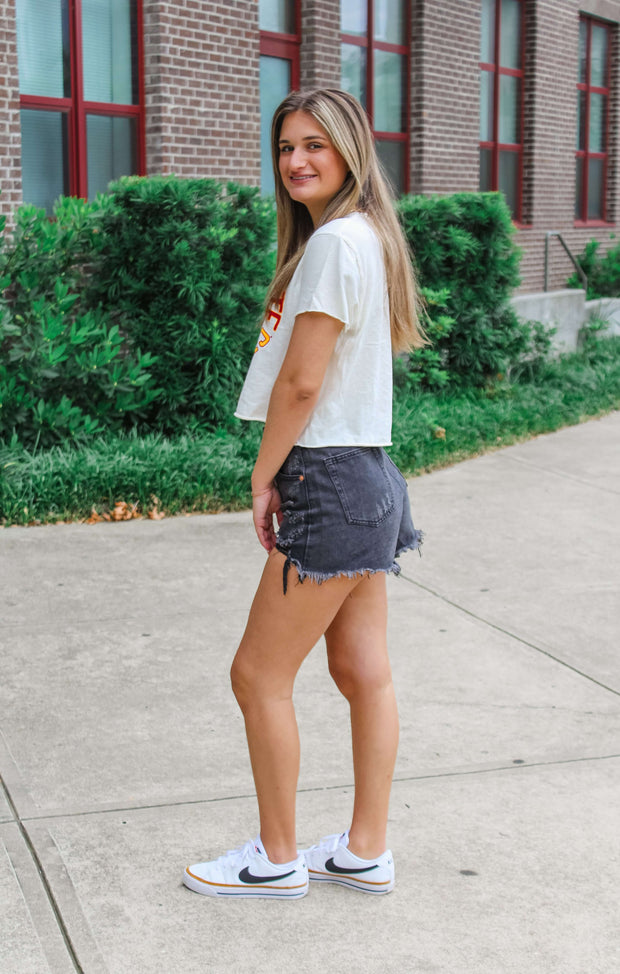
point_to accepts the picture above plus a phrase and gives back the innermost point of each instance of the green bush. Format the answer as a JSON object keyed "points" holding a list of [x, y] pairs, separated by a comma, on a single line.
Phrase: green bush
{"points": [[425, 367], [184, 267], [64, 372], [211, 471], [603, 273], [463, 247]]}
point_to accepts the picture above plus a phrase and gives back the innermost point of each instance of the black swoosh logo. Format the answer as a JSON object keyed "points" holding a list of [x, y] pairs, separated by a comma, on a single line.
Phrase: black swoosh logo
{"points": [[247, 877], [331, 867]]}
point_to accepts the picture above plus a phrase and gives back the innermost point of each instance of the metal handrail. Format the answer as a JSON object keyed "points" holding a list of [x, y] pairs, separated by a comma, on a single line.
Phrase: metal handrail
{"points": [[582, 275]]}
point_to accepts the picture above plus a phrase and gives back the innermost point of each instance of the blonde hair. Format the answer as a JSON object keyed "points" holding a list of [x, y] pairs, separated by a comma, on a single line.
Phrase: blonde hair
{"points": [[364, 190]]}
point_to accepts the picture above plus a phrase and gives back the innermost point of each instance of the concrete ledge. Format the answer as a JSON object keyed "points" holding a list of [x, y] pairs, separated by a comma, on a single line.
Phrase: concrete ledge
{"points": [[567, 311], [563, 310]]}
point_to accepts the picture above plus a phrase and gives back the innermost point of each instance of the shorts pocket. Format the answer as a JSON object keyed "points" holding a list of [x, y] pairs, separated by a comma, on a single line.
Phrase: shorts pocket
{"points": [[363, 485]]}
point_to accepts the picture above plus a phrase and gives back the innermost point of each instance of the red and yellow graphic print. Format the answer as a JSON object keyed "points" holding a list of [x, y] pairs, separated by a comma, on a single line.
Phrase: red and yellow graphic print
{"points": [[275, 315]]}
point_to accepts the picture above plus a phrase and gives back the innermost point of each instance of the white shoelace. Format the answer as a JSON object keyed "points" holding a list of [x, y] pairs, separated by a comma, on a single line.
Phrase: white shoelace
{"points": [[328, 843], [243, 852]]}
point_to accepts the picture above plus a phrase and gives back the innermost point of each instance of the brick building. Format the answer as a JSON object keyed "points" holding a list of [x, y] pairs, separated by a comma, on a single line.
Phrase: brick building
{"points": [[516, 95]]}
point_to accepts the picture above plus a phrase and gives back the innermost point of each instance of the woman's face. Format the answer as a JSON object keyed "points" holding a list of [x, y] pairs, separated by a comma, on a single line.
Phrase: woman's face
{"points": [[312, 170]]}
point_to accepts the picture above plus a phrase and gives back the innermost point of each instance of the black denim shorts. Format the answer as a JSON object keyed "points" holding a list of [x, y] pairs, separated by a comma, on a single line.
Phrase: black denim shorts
{"points": [[346, 512]]}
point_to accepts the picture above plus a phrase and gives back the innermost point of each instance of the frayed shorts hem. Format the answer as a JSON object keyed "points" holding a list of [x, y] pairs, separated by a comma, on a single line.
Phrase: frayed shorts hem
{"points": [[319, 577]]}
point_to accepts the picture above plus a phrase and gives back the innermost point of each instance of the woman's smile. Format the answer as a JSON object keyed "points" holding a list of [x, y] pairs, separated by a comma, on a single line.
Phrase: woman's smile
{"points": [[312, 170]]}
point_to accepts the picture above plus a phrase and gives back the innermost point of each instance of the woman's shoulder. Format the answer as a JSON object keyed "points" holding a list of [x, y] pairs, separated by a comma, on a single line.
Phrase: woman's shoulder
{"points": [[355, 229]]}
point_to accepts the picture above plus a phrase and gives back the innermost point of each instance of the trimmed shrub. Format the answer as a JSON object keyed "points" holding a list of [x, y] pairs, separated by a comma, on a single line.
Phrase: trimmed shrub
{"points": [[184, 266], [64, 373], [463, 247], [425, 367]]}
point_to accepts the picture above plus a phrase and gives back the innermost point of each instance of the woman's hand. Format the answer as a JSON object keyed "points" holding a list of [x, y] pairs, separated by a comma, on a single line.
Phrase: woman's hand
{"points": [[265, 504]]}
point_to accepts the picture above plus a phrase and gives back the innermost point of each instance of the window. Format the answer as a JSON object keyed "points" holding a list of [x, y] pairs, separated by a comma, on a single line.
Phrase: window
{"points": [[280, 35], [501, 100], [592, 120], [375, 68], [80, 95]]}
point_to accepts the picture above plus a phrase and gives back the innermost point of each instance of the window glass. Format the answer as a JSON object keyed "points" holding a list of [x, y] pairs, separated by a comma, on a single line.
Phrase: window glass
{"points": [[510, 39], [44, 153], [354, 17], [596, 135], [508, 179], [487, 32], [487, 79], [598, 57], [108, 65], [353, 68], [111, 146], [486, 170], [277, 16], [581, 120], [392, 156], [583, 52], [595, 189], [275, 84], [43, 47], [389, 102], [389, 21], [509, 108]]}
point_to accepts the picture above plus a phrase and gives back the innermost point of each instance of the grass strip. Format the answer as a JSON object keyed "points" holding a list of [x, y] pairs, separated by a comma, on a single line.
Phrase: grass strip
{"points": [[211, 472]]}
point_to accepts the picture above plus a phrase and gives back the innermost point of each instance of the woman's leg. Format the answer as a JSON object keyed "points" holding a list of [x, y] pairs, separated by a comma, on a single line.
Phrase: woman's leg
{"points": [[281, 631], [358, 661]]}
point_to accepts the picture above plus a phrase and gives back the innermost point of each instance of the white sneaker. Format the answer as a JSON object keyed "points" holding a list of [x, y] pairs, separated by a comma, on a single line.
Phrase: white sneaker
{"points": [[330, 861], [248, 872]]}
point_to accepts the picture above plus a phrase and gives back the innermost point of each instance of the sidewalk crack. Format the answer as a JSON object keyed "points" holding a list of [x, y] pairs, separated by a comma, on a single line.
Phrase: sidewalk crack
{"points": [[42, 876], [511, 635]]}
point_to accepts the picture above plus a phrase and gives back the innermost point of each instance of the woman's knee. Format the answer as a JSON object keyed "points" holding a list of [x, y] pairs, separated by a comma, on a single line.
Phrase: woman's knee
{"points": [[359, 672], [241, 679], [254, 683]]}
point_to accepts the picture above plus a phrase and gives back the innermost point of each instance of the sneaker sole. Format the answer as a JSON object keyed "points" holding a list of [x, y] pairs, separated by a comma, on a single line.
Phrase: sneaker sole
{"points": [[266, 892], [353, 882]]}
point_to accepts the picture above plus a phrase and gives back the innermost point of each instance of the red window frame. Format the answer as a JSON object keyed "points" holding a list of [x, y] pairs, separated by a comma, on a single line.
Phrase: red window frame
{"points": [[76, 108], [371, 45], [585, 154], [286, 47], [494, 144]]}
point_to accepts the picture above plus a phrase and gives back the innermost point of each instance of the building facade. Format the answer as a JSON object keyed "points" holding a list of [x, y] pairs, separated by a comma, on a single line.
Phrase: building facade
{"points": [[519, 96]]}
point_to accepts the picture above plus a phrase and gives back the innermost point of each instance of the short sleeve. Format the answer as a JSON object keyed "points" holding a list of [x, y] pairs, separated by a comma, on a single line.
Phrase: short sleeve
{"points": [[330, 279]]}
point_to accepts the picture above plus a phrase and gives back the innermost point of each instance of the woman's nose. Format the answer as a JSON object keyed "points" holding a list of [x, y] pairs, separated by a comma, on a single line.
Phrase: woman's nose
{"points": [[298, 158]]}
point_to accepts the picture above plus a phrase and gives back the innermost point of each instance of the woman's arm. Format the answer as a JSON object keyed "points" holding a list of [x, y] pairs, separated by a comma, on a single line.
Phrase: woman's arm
{"points": [[294, 396]]}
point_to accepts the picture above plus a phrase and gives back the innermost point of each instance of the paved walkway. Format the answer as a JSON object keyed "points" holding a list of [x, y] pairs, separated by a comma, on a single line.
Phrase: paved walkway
{"points": [[123, 756]]}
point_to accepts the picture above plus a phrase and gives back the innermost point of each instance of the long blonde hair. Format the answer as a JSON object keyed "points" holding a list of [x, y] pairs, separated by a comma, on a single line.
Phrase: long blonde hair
{"points": [[364, 190]]}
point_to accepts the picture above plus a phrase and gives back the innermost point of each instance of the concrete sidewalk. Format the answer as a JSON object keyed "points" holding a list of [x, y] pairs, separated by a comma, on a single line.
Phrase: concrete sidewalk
{"points": [[123, 754]]}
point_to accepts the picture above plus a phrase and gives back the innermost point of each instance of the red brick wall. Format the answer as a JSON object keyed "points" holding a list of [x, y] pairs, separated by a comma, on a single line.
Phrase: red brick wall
{"points": [[551, 136], [202, 102], [10, 138], [201, 80], [445, 95], [445, 114], [320, 43]]}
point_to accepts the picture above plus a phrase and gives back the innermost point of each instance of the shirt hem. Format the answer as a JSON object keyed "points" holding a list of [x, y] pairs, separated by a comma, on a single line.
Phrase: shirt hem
{"points": [[340, 441]]}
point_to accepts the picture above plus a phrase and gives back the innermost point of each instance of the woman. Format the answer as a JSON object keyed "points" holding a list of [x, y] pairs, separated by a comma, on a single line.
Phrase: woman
{"points": [[342, 300]]}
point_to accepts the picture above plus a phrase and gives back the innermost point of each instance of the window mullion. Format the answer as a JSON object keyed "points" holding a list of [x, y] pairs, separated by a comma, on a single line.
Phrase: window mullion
{"points": [[78, 127], [586, 161], [496, 85], [370, 67]]}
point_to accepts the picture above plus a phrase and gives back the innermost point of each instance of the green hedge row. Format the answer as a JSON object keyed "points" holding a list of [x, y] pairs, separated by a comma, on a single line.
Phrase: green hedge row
{"points": [[139, 310]]}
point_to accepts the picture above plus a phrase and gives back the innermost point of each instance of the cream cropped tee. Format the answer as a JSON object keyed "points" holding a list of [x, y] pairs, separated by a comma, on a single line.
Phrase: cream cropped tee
{"points": [[341, 274]]}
